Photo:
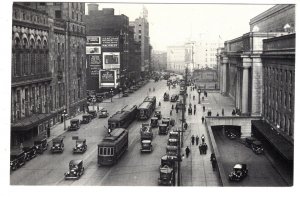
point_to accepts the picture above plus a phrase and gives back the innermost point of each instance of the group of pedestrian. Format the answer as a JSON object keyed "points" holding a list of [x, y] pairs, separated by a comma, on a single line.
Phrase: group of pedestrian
{"points": [[203, 148], [193, 138]]}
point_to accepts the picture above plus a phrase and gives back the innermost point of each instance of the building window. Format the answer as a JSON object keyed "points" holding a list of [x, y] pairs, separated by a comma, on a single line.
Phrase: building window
{"points": [[57, 13], [285, 76], [290, 101], [291, 77]]}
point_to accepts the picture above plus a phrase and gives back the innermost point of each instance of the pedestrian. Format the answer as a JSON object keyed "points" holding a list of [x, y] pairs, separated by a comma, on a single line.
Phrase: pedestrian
{"points": [[170, 112], [187, 151], [194, 97], [176, 109], [194, 111], [159, 104], [197, 140], [214, 163], [149, 89], [204, 148], [217, 113], [185, 126], [202, 119], [233, 112], [202, 138], [212, 156], [203, 108], [194, 106], [200, 149], [21, 146], [202, 98], [172, 106], [193, 139], [222, 111], [48, 131]]}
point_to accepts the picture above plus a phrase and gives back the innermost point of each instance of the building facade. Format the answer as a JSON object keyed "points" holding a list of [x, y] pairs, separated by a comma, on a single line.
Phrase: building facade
{"points": [[159, 60], [176, 58], [112, 31], [43, 73]]}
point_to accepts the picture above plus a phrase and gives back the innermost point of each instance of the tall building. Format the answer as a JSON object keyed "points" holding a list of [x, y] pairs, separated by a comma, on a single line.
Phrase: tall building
{"points": [[107, 49], [159, 60], [141, 35], [176, 58], [48, 64]]}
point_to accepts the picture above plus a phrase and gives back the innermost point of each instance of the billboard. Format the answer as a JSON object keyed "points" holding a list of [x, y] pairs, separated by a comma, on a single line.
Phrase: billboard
{"points": [[110, 41], [93, 50], [94, 70], [95, 60], [111, 60], [90, 40], [107, 78]]}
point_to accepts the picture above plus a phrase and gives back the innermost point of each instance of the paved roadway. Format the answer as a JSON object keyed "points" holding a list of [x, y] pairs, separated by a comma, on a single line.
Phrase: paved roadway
{"points": [[133, 169]]}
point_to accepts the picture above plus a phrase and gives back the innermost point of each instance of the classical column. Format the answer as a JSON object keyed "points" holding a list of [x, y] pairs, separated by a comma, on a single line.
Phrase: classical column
{"points": [[224, 74], [245, 89], [257, 85]]}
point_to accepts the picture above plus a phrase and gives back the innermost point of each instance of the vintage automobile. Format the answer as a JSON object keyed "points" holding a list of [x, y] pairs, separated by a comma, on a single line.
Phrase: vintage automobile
{"points": [[239, 172], [166, 97], [154, 122], [17, 159], [103, 113], [254, 144], [125, 93], [76, 169], [93, 113], [172, 122], [86, 118], [80, 146], [168, 160], [173, 142], [146, 146], [157, 114], [163, 129], [57, 145], [74, 125], [172, 151], [166, 121], [190, 111], [30, 152], [166, 176], [174, 97], [41, 144], [173, 135], [231, 134], [146, 132]]}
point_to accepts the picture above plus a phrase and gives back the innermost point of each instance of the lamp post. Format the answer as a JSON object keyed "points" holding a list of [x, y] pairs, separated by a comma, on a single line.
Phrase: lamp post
{"points": [[111, 93], [64, 115]]}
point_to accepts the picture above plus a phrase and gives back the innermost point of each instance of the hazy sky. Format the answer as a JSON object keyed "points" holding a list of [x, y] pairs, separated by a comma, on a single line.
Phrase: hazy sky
{"points": [[173, 24]]}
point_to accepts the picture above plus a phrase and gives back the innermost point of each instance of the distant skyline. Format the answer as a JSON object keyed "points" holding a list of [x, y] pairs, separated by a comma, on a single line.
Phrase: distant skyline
{"points": [[174, 24]]}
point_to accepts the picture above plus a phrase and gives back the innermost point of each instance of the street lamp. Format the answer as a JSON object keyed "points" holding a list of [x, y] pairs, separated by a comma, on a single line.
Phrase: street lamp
{"points": [[64, 115], [199, 92], [111, 93]]}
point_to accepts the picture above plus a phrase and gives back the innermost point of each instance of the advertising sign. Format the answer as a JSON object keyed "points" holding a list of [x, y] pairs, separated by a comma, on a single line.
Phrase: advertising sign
{"points": [[94, 70], [111, 60], [107, 78], [110, 41], [90, 40], [95, 60], [93, 50]]}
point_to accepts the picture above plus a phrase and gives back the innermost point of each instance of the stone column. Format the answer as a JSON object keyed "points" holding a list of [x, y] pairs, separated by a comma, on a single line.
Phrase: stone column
{"points": [[257, 85], [245, 90], [224, 74]]}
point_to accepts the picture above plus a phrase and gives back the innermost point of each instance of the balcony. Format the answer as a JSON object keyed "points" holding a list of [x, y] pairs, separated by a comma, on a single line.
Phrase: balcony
{"points": [[29, 79]]}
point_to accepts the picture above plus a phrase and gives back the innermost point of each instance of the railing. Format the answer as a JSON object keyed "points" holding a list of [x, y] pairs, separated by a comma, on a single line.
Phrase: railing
{"points": [[17, 79], [279, 43]]}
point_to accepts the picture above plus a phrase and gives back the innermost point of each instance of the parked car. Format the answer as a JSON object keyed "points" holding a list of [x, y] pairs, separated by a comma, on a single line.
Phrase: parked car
{"points": [[17, 159], [57, 145], [30, 152], [174, 97], [163, 129], [76, 170], [103, 113], [239, 172], [146, 146], [74, 125], [86, 118], [80, 146], [41, 144], [93, 113]]}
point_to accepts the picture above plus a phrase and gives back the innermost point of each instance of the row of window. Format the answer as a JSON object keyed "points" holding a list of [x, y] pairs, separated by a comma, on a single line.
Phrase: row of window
{"points": [[278, 97], [280, 75], [32, 17], [107, 151]]}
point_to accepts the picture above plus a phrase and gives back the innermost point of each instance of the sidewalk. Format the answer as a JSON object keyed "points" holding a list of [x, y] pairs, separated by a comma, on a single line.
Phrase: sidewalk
{"points": [[197, 169]]}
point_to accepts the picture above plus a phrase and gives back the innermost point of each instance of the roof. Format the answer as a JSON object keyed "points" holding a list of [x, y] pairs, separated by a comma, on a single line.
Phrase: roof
{"points": [[116, 133], [76, 162], [238, 166], [154, 118], [162, 125], [118, 116], [146, 141], [166, 169], [30, 122], [150, 99], [282, 145], [145, 105]]}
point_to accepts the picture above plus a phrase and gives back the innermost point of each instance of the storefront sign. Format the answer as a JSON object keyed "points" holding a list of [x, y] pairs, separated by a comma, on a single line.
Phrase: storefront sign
{"points": [[95, 59], [107, 78], [91, 40], [95, 70]]}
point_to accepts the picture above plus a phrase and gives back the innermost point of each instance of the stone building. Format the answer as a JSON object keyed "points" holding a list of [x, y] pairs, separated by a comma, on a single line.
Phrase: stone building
{"points": [[48, 66]]}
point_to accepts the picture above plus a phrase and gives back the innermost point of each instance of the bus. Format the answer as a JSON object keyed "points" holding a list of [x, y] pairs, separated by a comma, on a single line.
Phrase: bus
{"points": [[123, 118], [113, 145]]}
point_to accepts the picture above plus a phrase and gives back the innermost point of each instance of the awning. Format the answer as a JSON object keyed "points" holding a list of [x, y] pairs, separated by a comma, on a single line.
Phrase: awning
{"points": [[30, 122], [283, 146]]}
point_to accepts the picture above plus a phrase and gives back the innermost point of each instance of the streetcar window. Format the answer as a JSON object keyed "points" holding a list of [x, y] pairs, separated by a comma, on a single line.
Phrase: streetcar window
{"points": [[108, 151], [104, 151], [112, 151], [101, 151]]}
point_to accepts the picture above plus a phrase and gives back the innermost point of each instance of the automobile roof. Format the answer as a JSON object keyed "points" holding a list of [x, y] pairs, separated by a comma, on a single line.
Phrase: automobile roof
{"points": [[154, 118], [239, 166], [74, 120], [146, 141], [162, 125], [76, 161]]}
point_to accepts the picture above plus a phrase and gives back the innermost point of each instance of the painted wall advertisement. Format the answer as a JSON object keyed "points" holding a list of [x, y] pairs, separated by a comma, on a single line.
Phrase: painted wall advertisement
{"points": [[107, 78], [111, 60], [90, 40], [93, 50], [110, 41]]}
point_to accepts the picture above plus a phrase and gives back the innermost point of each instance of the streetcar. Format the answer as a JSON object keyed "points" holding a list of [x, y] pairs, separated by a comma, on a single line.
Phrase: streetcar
{"points": [[113, 145], [146, 108], [123, 118]]}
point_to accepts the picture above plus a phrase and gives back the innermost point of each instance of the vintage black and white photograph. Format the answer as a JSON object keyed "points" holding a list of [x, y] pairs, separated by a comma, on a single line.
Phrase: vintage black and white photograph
{"points": [[160, 94]]}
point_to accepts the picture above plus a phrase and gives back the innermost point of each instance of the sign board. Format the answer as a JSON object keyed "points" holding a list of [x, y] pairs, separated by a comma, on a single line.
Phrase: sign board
{"points": [[93, 50], [93, 40], [111, 60], [95, 60], [74, 137], [110, 41], [108, 78], [94, 70]]}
